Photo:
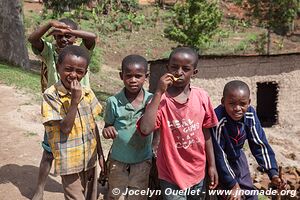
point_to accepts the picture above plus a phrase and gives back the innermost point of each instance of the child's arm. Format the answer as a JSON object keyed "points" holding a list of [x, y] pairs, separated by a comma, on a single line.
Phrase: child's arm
{"points": [[100, 152], [109, 131], [35, 38], [147, 123], [262, 151], [67, 123], [88, 38], [209, 149]]}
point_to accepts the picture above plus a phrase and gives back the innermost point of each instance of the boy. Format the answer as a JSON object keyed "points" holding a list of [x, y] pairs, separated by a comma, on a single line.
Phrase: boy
{"points": [[183, 115], [131, 154], [65, 33], [237, 122], [69, 113]]}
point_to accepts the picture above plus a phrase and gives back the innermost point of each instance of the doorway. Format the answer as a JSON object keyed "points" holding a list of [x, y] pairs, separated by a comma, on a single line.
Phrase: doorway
{"points": [[267, 97]]}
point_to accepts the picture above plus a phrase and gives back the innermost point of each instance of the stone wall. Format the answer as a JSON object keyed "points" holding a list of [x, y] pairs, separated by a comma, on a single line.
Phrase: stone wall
{"points": [[216, 71]]}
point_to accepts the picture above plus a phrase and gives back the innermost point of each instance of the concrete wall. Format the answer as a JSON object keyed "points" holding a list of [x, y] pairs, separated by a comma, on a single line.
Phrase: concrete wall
{"points": [[216, 71]]}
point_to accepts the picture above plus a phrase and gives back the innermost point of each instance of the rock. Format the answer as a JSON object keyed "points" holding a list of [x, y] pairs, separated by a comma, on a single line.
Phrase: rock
{"points": [[298, 171], [264, 187], [295, 187], [291, 182], [257, 179], [258, 186]]}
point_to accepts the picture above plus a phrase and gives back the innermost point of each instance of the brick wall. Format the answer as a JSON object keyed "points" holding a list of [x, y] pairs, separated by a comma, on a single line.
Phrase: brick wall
{"points": [[216, 71]]}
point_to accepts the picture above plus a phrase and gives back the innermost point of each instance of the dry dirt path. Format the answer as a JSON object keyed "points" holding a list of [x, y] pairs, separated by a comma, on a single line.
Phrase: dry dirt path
{"points": [[20, 149], [21, 132]]}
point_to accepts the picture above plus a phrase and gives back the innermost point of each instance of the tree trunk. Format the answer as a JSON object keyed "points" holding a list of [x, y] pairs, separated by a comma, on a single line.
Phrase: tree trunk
{"points": [[12, 39]]}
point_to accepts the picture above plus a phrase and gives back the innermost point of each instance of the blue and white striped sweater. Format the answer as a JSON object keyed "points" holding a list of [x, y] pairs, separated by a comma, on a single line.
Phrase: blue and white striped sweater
{"points": [[229, 140]]}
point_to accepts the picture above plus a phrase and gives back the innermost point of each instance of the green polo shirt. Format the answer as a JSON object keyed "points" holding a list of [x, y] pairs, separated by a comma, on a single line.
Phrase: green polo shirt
{"points": [[49, 57], [129, 146]]}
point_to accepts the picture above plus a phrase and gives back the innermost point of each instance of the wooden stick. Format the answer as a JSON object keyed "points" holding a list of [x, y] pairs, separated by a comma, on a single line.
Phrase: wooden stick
{"points": [[278, 196]]}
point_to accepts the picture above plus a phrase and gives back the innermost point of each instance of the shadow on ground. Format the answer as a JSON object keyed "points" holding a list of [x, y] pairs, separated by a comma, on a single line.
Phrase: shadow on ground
{"points": [[25, 179]]}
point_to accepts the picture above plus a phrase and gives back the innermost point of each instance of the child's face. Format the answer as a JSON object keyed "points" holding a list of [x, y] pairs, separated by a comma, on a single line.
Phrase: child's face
{"points": [[236, 103], [181, 65], [133, 77], [72, 67], [63, 40]]}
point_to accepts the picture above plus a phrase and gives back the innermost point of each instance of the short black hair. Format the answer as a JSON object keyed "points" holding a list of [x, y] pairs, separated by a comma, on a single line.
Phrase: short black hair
{"points": [[134, 59], [70, 23], [234, 85], [73, 50], [187, 50]]}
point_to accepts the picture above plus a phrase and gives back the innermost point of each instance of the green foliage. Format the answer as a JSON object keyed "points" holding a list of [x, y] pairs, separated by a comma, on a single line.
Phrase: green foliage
{"points": [[96, 60], [110, 16], [238, 2], [237, 24], [246, 43], [20, 78], [276, 14], [194, 23], [242, 46], [262, 197], [260, 43], [60, 6]]}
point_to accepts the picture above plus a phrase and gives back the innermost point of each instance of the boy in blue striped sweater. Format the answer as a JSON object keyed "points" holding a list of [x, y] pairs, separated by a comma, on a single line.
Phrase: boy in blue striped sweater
{"points": [[237, 122]]}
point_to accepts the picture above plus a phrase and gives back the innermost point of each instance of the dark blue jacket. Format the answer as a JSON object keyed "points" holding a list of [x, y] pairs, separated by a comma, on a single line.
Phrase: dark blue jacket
{"points": [[229, 138]]}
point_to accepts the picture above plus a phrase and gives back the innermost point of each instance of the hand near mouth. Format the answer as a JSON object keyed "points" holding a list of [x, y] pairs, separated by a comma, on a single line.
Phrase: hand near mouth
{"points": [[165, 81], [76, 91]]}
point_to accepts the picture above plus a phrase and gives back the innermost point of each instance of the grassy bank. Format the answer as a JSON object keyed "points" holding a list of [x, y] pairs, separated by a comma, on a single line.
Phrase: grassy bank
{"points": [[19, 78]]}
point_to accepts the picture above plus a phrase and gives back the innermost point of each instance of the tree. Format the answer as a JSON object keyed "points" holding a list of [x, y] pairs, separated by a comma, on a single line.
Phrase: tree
{"points": [[275, 15], [194, 23], [278, 15], [60, 6], [12, 49]]}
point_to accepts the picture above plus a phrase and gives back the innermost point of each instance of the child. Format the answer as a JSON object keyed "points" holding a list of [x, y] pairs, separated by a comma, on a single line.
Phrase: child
{"points": [[183, 114], [69, 113], [238, 122], [131, 154], [65, 33]]}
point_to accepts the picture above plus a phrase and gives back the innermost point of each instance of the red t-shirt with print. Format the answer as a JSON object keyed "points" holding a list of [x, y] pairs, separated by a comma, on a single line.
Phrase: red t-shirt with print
{"points": [[181, 157]]}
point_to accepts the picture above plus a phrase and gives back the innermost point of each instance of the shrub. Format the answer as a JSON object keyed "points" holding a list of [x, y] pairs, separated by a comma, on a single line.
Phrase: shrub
{"points": [[194, 23]]}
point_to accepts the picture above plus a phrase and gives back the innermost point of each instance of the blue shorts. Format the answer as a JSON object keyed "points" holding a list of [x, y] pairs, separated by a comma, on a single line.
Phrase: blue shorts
{"points": [[45, 144]]}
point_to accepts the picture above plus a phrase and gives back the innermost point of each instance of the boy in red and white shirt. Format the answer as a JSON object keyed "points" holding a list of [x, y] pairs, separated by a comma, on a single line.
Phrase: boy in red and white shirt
{"points": [[183, 115]]}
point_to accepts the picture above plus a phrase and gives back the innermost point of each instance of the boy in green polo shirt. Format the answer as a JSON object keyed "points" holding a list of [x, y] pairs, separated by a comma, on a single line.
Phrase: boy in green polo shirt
{"points": [[65, 32], [131, 154]]}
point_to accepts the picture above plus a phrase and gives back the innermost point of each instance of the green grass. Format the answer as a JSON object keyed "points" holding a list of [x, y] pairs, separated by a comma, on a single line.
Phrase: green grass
{"points": [[21, 79], [30, 134], [261, 197]]}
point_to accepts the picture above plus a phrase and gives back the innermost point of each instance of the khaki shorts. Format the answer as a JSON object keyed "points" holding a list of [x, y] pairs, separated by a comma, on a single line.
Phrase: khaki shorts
{"points": [[80, 186], [126, 181]]}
